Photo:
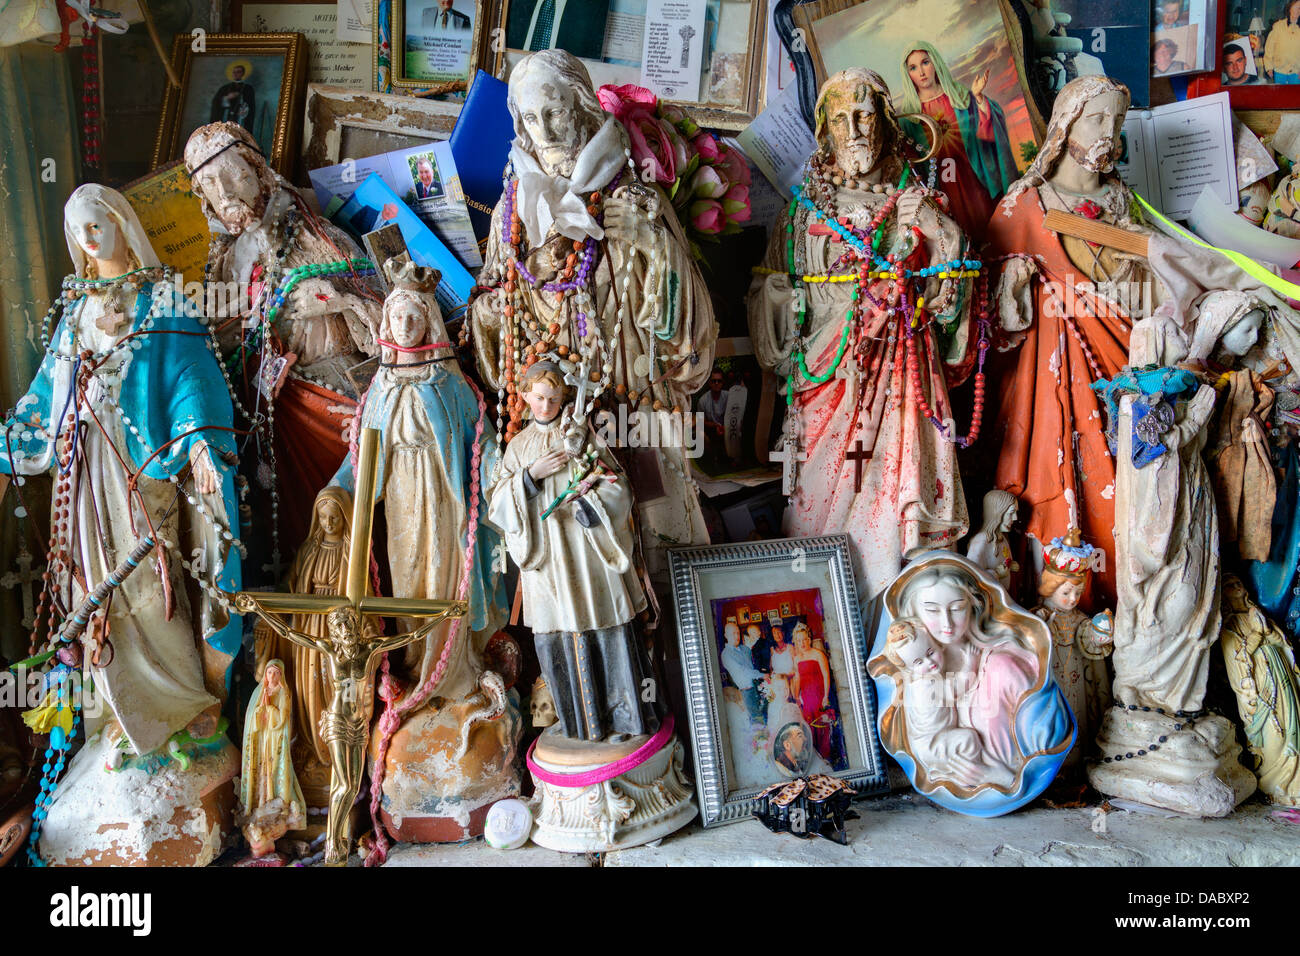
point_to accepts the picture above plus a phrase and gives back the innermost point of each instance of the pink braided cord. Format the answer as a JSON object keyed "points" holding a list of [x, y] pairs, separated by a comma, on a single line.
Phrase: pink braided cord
{"points": [[393, 710]]}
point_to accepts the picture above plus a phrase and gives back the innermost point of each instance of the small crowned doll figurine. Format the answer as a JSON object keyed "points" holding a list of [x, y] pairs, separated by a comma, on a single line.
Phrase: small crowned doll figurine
{"points": [[271, 802], [567, 521], [1079, 646], [988, 546]]}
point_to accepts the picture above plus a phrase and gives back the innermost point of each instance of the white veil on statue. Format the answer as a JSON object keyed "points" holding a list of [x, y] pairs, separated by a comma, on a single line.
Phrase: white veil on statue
{"points": [[117, 207]]}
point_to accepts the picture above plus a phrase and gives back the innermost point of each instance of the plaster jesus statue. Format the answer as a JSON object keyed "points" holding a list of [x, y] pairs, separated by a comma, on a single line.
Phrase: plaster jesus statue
{"points": [[865, 306], [312, 315], [585, 262]]}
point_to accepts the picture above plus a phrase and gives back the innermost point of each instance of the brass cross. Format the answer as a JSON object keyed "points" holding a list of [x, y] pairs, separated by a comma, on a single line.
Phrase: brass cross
{"points": [[352, 655]]}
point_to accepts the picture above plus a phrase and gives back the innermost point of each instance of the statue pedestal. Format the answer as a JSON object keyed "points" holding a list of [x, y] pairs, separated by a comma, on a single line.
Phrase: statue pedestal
{"points": [[433, 796], [1195, 770], [611, 804], [141, 817]]}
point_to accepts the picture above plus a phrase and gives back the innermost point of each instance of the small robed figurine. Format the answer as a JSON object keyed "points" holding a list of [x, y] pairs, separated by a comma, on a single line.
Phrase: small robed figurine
{"points": [[567, 521], [1262, 672], [271, 802], [988, 546]]}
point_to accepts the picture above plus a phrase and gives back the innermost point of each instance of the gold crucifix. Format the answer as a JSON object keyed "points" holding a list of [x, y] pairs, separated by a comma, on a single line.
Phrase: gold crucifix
{"points": [[352, 657]]}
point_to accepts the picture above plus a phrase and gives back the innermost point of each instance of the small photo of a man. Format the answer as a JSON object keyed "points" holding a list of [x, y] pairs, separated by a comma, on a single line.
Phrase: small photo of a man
{"points": [[1239, 67], [427, 183], [443, 17]]}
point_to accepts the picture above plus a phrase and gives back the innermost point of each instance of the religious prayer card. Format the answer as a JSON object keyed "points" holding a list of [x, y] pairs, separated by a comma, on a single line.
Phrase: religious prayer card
{"points": [[375, 205], [1174, 151], [674, 48], [778, 141], [424, 177], [329, 60]]}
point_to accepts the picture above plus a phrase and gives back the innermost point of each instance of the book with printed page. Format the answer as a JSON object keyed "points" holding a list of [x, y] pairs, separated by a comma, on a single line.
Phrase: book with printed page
{"points": [[172, 218], [480, 142]]}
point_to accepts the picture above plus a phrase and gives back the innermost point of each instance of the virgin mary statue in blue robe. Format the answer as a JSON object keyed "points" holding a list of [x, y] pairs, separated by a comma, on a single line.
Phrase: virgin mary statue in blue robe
{"points": [[433, 427], [128, 405]]}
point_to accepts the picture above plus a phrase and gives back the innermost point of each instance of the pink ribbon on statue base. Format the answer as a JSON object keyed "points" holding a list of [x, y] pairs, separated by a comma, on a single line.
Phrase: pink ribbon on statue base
{"points": [[610, 770]]}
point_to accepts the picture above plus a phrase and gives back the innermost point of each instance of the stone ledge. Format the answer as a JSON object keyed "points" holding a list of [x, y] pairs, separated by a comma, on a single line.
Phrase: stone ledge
{"points": [[910, 831]]}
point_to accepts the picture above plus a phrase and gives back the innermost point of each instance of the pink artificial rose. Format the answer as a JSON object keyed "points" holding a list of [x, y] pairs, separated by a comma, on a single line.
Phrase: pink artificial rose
{"points": [[653, 150], [707, 147], [622, 100], [734, 166], [736, 203], [707, 217], [707, 184]]}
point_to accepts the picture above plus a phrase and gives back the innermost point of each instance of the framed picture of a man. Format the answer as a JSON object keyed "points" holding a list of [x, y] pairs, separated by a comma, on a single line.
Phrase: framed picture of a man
{"points": [[236, 101], [574, 25], [254, 79], [435, 43]]}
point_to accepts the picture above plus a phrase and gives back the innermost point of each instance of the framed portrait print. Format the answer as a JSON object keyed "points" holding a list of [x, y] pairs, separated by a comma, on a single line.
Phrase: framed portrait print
{"points": [[717, 79], [1256, 62], [254, 79], [974, 50], [430, 45], [343, 123], [774, 664]]}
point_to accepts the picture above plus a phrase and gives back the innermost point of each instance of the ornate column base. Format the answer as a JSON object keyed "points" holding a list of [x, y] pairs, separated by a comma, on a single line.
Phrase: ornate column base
{"points": [[149, 813], [1192, 770], [630, 806]]}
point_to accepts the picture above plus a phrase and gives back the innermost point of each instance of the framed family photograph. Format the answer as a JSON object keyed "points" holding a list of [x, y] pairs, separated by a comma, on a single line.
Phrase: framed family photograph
{"points": [[1258, 56], [705, 56], [774, 664], [343, 124], [254, 79]]}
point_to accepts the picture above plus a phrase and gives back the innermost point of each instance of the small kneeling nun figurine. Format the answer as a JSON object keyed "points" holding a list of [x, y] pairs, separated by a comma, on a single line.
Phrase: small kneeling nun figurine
{"points": [[568, 524]]}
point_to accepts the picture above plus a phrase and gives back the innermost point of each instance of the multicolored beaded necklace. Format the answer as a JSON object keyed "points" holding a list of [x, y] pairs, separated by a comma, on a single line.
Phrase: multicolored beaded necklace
{"points": [[910, 317]]}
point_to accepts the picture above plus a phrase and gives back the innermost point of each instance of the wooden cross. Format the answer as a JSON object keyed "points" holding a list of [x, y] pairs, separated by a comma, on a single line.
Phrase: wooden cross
{"points": [[789, 459], [352, 654], [858, 456]]}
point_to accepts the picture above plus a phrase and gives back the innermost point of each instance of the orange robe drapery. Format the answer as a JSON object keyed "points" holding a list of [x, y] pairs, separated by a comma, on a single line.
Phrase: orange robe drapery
{"points": [[1054, 455]]}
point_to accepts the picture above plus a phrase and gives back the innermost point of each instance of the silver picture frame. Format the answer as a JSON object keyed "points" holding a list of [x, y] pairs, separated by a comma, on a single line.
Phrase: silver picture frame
{"points": [[822, 562]]}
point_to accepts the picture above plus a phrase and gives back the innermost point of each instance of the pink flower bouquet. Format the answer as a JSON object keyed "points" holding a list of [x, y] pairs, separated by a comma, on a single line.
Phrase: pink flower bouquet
{"points": [[706, 180]]}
